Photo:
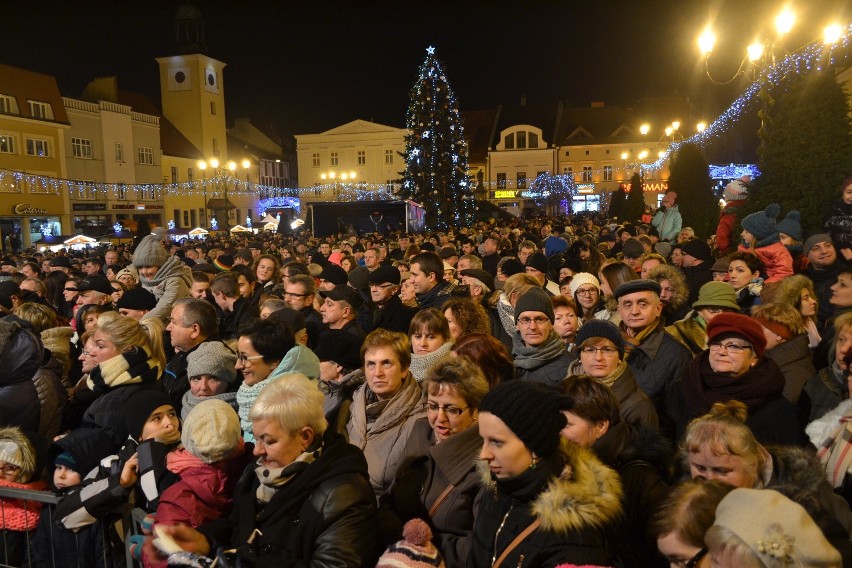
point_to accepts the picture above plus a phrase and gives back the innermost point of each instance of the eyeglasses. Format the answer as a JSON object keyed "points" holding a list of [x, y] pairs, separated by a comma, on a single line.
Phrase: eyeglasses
{"points": [[605, 351], [10, 469], [588, 291], [539, 320], [730, 347], [241, 359], [450, 411], [87, 354], [692, 562]]}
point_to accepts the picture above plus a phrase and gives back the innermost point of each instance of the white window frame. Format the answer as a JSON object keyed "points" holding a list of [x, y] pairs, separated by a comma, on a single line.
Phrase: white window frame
{"points": [[81, 148], [8, 143], [145, 155], [40, 110], [8, 105], [119, 152], [36, 145], [608, 173], [334, 159], [315, 160], [587, 174]]}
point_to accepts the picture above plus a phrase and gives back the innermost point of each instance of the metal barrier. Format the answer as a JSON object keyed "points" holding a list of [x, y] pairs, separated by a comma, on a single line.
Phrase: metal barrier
{"points": [[19, 547]]}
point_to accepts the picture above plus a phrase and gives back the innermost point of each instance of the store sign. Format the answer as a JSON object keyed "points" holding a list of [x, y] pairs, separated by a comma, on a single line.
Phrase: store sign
{"points": [[88, 206], [27, 209], [123, 206], [656, 187], [504, 194]]}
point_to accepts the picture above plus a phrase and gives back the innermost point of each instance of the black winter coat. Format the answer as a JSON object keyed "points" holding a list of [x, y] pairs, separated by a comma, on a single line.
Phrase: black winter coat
{"points": [[21, 355], [394, 316]]}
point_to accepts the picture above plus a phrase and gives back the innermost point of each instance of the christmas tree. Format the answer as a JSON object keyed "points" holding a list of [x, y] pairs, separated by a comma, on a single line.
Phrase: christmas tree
{"points": [[436, 152]]}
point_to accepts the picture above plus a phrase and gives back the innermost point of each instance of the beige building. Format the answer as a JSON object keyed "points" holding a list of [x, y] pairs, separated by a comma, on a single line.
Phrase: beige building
{"points": [[33, 123]]}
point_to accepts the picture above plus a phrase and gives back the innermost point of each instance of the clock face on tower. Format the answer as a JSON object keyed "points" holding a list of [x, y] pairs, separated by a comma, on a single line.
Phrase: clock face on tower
{"points": [[179, 79], [211, 80]]}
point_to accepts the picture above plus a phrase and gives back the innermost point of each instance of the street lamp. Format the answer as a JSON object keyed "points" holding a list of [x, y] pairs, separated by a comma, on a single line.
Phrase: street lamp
{"points": [[202, 165]]}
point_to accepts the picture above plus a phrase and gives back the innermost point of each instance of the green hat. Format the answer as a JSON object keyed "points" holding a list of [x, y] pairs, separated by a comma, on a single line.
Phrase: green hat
{"points": [[716, 295]]}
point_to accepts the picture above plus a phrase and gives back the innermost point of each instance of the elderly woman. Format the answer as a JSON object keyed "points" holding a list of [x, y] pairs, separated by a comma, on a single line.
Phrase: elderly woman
{"points": [[384, 409], [440, 482], [734, 368], [464, 316], [546, 502], [600, 347], [594, 421], [429, 333], [306, 501], [566, 320], [211, 368]]}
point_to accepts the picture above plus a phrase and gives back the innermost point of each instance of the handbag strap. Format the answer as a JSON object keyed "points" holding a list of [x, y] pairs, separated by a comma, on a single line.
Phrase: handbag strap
{"points": [[441, 498], [518, 540]]}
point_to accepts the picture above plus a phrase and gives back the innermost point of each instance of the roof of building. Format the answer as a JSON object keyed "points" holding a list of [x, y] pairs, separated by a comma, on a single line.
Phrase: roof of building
{"points": [[541, 115], [479, 131], [595, 124], [24, 85]]}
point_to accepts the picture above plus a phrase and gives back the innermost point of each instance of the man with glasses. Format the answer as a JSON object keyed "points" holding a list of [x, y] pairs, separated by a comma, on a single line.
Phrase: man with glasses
{"points": [[654, 356], [299, 293], [191, 322], [387, 310], [539, 353]]}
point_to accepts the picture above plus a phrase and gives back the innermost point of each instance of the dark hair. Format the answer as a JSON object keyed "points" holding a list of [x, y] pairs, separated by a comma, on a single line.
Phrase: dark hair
{"points": [[269, 338], [276, 266], [309, 285], [35, 268], [489, 354], [592, 401], [201, 313], [750, 259], [430, 263], [433, 320], [244, 270], [55, 283], [198, 276]]}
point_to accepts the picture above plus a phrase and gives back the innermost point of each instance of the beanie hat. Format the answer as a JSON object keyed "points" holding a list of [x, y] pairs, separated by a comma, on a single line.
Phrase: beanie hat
{"points": [[128, 271], [334, 274], [414, 550], [535, 300], [211, 430], [67, 460], [777, 530], [601, 328], [813, 240], [698, 249], [139, 408], [137, 298], [716, 295], [741, 325], [10, 452], [582, 278], [340, 346], [538, 261], [212, 358], [663, 249], [762, 223], [150, 251], [735, 191], [632, 248], [533, 411], [224, 262], [791, 225], [511, 266]]}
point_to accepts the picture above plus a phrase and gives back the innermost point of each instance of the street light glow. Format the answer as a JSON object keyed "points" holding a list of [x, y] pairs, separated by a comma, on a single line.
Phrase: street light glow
{"points": [[351, 175], [246, 164], [701, 126], [784, 21], [232, 165], [832, 33], [214, 163], [669, 130], [644, 129], [676, 124], [624, 155], [202, 165], [643, 154], [706, 41], [755, 51], [343, 176]]}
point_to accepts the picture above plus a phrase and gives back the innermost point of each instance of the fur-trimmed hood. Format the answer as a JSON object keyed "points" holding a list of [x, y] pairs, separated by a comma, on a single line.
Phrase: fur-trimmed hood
{"points": [[588, 494], [29, 456], [796, 466], [820, 429]]}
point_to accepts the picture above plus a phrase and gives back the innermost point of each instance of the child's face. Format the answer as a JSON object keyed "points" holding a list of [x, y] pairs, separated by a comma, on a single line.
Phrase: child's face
{"points": [[162, 424], [64, 476]]}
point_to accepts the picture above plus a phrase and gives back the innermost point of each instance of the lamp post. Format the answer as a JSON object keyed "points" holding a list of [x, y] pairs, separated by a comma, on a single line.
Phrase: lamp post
{"points": [[202, 165]]}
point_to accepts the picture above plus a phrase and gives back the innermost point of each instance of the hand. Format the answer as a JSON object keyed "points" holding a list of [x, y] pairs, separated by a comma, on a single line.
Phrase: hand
{"points": [[184, 535], [662, 209], [847, 253], [128, 472]]}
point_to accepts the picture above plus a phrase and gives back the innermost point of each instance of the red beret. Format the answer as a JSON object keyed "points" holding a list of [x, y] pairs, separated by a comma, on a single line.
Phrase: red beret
{"points": [[729, 323]]}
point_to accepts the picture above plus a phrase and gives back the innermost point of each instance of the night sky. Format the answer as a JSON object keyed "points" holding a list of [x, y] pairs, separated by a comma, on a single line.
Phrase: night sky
{"points": [[306, 66]]}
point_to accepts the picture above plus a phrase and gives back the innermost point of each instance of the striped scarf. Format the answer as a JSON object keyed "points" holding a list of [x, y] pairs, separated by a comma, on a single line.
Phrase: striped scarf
{"points": [[835, 451], [134, 366]]}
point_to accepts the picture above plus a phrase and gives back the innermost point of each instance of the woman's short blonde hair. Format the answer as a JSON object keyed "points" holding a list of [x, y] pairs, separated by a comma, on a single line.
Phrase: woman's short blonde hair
{"points": [[126, 333], [41, 316], [292, 400]]}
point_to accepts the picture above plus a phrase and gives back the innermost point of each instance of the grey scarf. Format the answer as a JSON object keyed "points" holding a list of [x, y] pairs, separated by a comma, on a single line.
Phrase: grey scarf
{"points": [[530, 358]]}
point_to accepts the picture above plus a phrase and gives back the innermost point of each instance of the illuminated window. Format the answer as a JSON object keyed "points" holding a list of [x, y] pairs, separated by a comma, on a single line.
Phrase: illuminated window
{"points": [[7, 144], [501, 181], [521, 180], [587, 173], [607, 173]]}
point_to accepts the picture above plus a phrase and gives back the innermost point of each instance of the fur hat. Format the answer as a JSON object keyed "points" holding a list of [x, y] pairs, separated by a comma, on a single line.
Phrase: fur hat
{"points": [[17, 449], [137, 298], [211, 430], [716, 295], [538, 261], [791, 225], [151, 251], [762, 224], [632, 248], [697, 248], [728, 323], [534, 300], [139, 408], [533, 411], [341, 347], [582, 278], [601, 328], [212, 358], [777, 530], [414, 550]]}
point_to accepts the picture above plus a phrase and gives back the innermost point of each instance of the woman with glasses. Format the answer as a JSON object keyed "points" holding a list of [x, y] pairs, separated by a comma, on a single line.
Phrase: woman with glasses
{"points": [[734, 368], [713, 299], [586, 292], [439, 482], [601, 352]]}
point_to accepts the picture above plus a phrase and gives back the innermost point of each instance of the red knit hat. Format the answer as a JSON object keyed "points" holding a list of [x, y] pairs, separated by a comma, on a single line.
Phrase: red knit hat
{"points": [[729, 323]]}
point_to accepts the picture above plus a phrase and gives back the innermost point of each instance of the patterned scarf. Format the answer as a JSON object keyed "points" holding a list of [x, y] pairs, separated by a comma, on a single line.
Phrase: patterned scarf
{"points": [[835, 452], [273, 478], [631, 342], [246, 396], [130, 367]]}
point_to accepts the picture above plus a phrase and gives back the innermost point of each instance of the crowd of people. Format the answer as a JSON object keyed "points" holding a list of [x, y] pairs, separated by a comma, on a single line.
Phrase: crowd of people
{"points": [[542, 392]]}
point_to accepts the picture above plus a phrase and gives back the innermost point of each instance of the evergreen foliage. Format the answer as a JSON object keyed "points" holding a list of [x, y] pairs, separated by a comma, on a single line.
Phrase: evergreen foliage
{"points": [[617, 203], [635, 204], [690, 179]]}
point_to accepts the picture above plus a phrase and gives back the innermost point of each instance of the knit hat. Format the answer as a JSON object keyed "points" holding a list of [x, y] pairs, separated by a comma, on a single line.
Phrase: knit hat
{"points": [[762, 223], [721, 265], [535, 300], [139, 407], [632, 248], [728, 323], [128, 271], [583, 278], [481, 275], [533, 411], [60, 261], [601, 328], [716, 295], [698, 249], [813, 240], [334, 274], [341, 347], [212, 358], [663, 249], [511, 266], [67, 460], [211, 430], [10, 452], [735, 191], [151, 251], [137, 298], [791, 225], [224, 262], [777, 530], [640, 285], [538, 261], [414, 550]]}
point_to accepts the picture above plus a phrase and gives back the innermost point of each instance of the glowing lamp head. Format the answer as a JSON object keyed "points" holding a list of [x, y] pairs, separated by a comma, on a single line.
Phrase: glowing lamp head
{"points": [[832, 34], [784, 21], [706, 41], [246, 164], [202, 165], [669, 130], [232, 165], [644, 129], [755, 51], [214, 163], [701, 126], [624, 155], [675, 124], [643, 154]]}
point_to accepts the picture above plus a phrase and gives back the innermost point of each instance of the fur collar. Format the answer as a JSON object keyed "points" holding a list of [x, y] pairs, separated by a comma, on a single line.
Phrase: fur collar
{"points": [[587, 495]]}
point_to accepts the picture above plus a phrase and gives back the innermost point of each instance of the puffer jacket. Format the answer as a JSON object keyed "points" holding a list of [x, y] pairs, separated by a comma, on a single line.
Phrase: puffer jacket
{"points": [[51, 394], [171, 282], [20, 359], [384, 441], [572, 494], [776, 259]]}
